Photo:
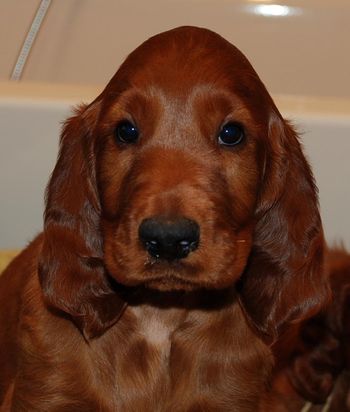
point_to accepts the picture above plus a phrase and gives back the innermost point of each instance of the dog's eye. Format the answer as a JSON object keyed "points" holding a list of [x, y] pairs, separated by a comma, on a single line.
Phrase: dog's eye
{"points": [[231, 134], [126, 132]]}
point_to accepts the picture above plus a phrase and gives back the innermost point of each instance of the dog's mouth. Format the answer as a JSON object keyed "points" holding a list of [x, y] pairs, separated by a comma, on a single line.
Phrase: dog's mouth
{"points": [[171, 282], [172, 275]]}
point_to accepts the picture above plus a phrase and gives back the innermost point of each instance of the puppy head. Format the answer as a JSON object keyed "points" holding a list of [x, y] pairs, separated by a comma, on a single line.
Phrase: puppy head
{"points": [[179, 176]]}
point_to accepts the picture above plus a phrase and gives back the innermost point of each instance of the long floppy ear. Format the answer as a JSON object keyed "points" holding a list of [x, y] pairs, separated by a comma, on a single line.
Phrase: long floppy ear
{"points": [[285, 279], [71, 267]]}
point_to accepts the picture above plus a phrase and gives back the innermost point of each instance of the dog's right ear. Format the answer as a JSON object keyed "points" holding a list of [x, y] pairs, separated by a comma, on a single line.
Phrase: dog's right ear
{"points": [[71, 269]]}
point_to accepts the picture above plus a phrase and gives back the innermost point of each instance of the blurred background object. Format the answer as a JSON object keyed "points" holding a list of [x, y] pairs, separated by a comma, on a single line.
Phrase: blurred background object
{"points": [[296, 46]]}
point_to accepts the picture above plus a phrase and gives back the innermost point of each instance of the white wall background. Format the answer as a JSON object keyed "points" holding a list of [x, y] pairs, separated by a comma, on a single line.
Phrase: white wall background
{"points": [[83, 41]]}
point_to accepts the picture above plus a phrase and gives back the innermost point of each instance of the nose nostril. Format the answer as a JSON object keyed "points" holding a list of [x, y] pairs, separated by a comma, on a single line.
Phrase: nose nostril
{"points": [[152, 247], [169, 239], [187, 246]]}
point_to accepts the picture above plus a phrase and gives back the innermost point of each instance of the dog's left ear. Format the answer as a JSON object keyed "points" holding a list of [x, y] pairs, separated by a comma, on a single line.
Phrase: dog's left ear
{"points": [[285, 279], [71, 269]]}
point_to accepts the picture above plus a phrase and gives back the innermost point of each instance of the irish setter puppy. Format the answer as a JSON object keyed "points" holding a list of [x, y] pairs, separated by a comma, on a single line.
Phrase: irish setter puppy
{"points": [[181, 236]]}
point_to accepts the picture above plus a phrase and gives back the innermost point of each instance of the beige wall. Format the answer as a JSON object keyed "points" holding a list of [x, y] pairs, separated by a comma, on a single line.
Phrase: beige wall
{"points": [[84, 41]]}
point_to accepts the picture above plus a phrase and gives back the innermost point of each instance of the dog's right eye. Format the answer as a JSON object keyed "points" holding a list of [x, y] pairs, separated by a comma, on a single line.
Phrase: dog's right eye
{"points": [[126, 132]]}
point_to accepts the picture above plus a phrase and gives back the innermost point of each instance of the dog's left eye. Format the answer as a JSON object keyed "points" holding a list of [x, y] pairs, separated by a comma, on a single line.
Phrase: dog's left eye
{"points": [[126, 132], [231, 134]]}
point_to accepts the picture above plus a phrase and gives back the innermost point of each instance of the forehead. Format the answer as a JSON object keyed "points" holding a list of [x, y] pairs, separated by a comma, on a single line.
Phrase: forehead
{"points": [[198, 102], [186, 60]]}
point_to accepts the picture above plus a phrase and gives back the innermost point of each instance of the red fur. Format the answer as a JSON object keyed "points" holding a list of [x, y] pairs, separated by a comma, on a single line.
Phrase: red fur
{"points": [[313, 357], [90, 322]]}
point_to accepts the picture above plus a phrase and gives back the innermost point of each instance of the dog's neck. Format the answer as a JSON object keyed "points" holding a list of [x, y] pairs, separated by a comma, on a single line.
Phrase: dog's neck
{"points": [[198, 335], [200, 299], [160, 316]]}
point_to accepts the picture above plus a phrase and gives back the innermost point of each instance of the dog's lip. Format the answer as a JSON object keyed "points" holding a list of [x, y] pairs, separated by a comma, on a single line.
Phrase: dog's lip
{"points": [[170, 268], [171, 280]]}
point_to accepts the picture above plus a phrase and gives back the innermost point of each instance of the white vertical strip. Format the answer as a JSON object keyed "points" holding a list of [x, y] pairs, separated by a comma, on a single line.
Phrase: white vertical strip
{"points": [[28, 42]]}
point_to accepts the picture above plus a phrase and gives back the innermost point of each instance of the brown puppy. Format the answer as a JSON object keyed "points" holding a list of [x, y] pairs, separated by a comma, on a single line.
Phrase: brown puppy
{"points": [[181, 235]]}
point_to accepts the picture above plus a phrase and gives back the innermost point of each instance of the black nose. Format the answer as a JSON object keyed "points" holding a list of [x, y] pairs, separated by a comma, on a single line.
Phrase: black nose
{"points": [[169, 238]]}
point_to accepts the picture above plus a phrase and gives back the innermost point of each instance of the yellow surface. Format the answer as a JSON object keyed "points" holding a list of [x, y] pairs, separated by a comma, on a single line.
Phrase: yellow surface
{"points": [[5, 257]]}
